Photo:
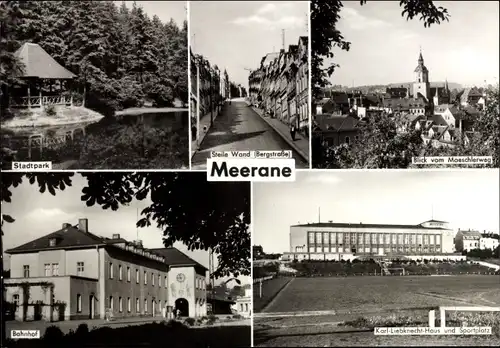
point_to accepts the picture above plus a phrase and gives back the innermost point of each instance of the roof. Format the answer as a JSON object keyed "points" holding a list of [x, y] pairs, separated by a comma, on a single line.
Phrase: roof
{"points": [[404, 103], [411, 117], [471, 233], [176, 258], [71, 237], [361, 225], [66, 238], [439, 120], [337, 123], [38, 63], [421, 68]]}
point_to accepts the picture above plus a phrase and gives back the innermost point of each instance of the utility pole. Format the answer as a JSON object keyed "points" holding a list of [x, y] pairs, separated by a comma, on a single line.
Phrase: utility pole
{"points": [[211, 99], [283, 38]]}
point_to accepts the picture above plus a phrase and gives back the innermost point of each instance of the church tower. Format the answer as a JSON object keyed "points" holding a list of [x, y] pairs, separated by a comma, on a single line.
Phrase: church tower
{"points": [[421, 84]]}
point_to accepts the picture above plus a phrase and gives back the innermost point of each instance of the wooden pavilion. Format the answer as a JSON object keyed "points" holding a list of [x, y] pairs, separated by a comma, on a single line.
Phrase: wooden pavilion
{"points": [[42, 71]]}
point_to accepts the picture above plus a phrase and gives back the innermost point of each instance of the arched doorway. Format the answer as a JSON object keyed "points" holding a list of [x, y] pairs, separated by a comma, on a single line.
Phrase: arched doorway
{"points": [[182, 305]]}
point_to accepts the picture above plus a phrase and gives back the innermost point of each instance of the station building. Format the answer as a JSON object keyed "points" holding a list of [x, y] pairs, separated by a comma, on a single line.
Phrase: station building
{"points": [[75, 274], [347, 241]]}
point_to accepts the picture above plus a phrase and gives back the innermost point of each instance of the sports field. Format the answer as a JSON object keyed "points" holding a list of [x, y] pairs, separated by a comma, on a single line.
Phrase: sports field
{"points": [[366, 294], [308, 311]]}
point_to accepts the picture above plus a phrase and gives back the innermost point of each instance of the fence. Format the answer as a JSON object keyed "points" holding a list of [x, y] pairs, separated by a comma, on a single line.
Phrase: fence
{"points": [[442, 313]]}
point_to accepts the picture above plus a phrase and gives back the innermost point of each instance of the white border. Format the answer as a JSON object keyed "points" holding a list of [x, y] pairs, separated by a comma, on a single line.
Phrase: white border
{"points": [[310, 86], [251, 263], [188, 13]]}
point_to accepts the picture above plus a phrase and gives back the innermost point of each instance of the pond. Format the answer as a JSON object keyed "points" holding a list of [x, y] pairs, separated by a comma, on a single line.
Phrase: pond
{"points": [[132, 139]]}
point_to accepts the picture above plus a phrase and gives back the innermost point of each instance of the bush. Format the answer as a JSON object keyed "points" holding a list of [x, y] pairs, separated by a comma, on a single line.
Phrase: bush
{"points": [[82, 329], [50, 111], [53, 334], [189, 321]]}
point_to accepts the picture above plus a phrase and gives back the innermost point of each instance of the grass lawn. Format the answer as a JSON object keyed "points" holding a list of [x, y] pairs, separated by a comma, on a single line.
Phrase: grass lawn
{"points": [[363, 303], [270, 288], [371, 294]]}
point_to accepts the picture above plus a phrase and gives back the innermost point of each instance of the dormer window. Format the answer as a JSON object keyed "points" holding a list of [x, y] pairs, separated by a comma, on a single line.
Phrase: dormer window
{"points": [[52, 242]]}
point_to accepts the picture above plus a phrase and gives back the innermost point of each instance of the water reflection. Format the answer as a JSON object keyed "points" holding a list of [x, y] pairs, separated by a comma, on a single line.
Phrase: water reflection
{"points": [[69, 146]]}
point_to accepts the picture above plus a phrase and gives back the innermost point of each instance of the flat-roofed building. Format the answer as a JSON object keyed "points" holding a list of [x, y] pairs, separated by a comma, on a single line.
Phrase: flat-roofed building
{"points": [[75, 274], [337, 241]]}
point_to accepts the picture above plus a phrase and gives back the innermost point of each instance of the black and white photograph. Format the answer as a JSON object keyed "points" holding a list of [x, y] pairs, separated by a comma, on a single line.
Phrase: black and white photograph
{"points": [[376, 249], [94, 85], [249, 75], [393, 81], [125, 259]]}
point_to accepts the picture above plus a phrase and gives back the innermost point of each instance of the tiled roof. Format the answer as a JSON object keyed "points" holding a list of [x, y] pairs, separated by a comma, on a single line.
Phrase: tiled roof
{"points": [[71, 237], [412, 117], [361, 225], [442, 107], [337, 123], [471, 233], [404, 103], [68, 237], [175, 257], [38, 63], [439, 120]]}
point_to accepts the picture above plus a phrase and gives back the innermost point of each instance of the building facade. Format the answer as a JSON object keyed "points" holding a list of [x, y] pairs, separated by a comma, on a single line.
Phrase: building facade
{"points": [[337, 241], [243, 304], [280, 85], [75, 274]]}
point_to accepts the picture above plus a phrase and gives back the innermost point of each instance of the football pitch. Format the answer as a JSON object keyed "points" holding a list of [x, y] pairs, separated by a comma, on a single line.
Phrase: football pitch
{"points": [[307, 311]]}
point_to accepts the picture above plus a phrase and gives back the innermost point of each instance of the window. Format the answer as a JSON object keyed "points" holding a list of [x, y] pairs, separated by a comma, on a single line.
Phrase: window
{"points": [[79, 268], [347, 140], [137, 276], [15, 299], [145, 306], [120, 270], [78, 303], [145, 278], [129, 305], [111, 303], [55, 269], [128, 274], [165, 281], [159, 280], [120, 304], [52, 242], [26, 271], [47, 269], [246, 307], [110, 270], [152, 279], [241, 307], [137, 307]]}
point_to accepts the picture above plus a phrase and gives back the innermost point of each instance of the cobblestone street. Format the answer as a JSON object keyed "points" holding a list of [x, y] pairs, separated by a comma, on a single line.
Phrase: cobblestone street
{"points": [[240, 128]]}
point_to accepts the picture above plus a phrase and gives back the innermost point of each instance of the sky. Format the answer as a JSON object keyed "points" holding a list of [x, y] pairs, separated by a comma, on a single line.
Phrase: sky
{"points": [[385, 47], [235, 35], [464, 198], [37, 215], [165, 10]]}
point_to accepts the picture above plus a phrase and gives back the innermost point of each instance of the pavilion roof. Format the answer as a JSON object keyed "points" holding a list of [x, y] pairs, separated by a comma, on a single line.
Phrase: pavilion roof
{"points": [[38, 63]]}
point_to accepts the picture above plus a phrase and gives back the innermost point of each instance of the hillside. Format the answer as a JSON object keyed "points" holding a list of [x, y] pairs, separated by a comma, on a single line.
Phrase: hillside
{"points": [[366, 89]]}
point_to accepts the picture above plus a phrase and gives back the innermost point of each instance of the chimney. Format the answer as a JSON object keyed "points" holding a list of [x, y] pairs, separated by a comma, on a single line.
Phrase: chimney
{"points": [[66, 225], [116, 236], [83, 225]]}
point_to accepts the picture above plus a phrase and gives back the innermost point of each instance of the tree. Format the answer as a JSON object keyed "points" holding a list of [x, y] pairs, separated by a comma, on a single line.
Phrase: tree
{"points": [[185, 206], [325, 36], [382, 143]]}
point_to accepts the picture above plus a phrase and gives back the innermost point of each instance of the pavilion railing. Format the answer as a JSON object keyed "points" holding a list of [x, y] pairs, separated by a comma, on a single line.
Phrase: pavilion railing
{"points": [[45, 100]]}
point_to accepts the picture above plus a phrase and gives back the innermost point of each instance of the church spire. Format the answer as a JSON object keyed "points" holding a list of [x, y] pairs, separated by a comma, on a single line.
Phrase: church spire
{"points": [[420, 57]]}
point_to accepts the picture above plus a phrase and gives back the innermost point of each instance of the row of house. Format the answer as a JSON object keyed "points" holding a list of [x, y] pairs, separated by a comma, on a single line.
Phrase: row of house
{"points": [[280, 85], [208, 85], [444, 122], [467, 240]]}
